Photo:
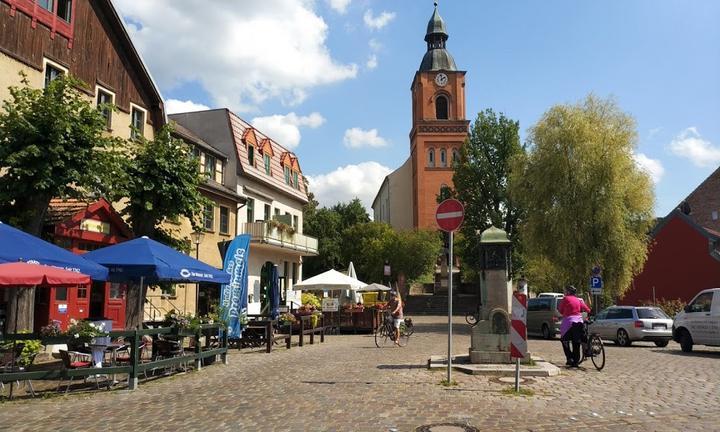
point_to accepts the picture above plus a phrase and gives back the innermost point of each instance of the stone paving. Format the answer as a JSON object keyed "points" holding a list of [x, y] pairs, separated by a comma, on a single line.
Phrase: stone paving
{"points": [[347, 384]]}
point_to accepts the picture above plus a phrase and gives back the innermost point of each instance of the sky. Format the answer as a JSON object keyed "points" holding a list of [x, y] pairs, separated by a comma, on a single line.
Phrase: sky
{"points": [[330, 79]]}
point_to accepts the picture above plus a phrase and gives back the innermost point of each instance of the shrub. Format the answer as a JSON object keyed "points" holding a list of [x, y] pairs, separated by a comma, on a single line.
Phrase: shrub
{"points": [[311, 299], [670, 307], [32, 347]]}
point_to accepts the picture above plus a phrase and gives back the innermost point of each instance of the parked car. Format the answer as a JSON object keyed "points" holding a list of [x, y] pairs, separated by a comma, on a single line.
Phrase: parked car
{"points": [[551, 294], [543, 318], [699, 323], [626, 324]]}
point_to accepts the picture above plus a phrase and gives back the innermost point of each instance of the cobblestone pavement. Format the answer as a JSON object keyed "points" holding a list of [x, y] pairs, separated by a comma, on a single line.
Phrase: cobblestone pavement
{"points": [[347, 384]]}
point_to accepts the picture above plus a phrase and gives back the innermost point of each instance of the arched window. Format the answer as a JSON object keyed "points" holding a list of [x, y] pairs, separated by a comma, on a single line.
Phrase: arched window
{"points": [[441, 107], [455, 157], [443, 158], [431, 158]]}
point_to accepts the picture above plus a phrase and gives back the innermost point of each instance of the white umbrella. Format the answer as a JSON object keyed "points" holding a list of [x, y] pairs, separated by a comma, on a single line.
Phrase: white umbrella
{"points": [[374, 287], [331, 280], [351, 271]]}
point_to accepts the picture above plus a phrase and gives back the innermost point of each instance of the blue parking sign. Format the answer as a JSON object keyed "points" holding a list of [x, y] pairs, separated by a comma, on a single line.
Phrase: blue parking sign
{"points": [[596, 284]]}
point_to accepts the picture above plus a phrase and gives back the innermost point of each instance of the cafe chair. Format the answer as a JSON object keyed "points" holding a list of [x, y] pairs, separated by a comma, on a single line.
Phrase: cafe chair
{"points": [[73, 360]]}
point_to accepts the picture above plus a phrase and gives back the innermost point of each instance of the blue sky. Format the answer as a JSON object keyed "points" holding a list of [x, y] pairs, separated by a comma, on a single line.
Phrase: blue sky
{"points": [[330, 78]]}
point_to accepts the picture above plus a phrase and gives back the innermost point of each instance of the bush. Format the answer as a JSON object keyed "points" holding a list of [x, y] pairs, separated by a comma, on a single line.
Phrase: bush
{"points": [[32, 347], [670, 307], [311, 299]]}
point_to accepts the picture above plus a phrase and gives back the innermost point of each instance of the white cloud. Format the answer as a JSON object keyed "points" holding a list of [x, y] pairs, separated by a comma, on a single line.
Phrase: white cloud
{"points": [[173, 106], [345, 183], [241, 56], [653, 167], [379, 21], [339, 6], [285, 129], [690, 145], [358, 138], [375, 45], [372, 62]]}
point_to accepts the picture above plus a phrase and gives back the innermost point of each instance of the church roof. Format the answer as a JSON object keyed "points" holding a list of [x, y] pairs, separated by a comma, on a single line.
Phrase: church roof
{"points": [[437, 57]]}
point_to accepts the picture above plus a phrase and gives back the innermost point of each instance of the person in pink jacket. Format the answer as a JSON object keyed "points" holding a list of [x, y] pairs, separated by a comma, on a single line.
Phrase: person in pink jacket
{"points": [[571, 329]]}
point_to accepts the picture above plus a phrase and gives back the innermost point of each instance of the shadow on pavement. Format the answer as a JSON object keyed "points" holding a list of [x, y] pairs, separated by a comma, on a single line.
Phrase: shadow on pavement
{"points": [[402, 366], [705, 354]]}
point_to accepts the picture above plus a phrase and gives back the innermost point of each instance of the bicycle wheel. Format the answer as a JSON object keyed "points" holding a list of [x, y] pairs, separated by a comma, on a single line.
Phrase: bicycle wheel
{"points": [[597, 350], [409, 327], [382, 338], [471, 318], [404, 335]]}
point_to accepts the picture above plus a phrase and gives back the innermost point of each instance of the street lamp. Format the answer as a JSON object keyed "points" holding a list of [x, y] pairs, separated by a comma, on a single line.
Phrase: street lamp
{"points": [[197, 238]]}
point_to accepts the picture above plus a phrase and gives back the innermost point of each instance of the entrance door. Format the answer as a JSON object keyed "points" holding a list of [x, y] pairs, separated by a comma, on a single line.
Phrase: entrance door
{"points": [[81, 307], [115, 304], [59, 306]]}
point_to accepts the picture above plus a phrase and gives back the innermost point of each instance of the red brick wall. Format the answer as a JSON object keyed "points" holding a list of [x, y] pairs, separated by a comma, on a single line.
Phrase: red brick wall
{"points": [[705, 200]]}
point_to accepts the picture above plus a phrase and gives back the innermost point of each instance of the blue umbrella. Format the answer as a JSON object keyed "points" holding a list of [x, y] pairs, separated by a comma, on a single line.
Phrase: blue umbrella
{"points": [[151, 261], [274, 292], [16, 245]]}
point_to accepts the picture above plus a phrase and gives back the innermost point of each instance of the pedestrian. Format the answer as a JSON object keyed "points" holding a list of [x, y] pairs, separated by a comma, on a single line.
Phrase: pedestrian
{"points": [[572, 327], [395, 307]]}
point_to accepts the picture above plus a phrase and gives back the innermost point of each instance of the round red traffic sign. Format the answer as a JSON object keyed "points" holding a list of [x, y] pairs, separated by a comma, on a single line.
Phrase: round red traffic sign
{"points": [[450, 214]]}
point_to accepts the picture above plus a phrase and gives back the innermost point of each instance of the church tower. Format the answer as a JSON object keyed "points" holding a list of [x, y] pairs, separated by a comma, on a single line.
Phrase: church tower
{"points": [[439, 127]]}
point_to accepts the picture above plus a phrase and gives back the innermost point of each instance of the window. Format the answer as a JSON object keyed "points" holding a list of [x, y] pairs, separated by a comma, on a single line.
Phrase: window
{"points": [[441, 107], [137, 122], [294, 273], [250, 210], [61, 293], [209, 217], [104, 102], [251, 155], [443, 158], [295, 222], [267, 212], [46, 4], [115, 291], [52, 72], [87, 247], [714, 215], [64, 9], [277, 212], [82, 292], [651, 313], [219, 170], [455, 157], [287, 175], [295, 180], [267, 164], [209, 166], [431, 158], [702, 303], [224, 220]]}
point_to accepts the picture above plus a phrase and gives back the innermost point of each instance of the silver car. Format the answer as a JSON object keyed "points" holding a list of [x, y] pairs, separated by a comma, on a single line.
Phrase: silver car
{"points": [[626, 324]]}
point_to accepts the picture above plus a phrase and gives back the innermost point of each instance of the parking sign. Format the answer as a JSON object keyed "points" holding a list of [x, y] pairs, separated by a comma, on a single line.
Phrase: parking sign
{"points": [[596, 285]]}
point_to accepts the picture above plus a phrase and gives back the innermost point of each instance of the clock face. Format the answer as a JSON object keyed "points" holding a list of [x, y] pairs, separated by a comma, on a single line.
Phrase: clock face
{"points": [[441, 79]]}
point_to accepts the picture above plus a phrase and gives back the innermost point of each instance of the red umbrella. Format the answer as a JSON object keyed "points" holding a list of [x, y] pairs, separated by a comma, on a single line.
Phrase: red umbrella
{"points": [[26, 274]]}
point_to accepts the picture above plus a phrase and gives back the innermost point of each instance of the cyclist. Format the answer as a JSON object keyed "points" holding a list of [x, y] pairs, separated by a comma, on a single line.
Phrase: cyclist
{"points": [[395, 307], [572, 326]]}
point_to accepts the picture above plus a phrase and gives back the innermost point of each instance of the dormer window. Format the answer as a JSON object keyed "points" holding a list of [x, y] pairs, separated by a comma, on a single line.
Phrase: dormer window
{"points": [[287, 175], [441, 107], [267, 164], [295, 180], [251, 155]]}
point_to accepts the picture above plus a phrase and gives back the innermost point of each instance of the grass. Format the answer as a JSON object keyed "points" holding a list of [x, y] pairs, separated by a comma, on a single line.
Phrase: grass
{"points": [[529, 362], [446, 383], [510, 391]]}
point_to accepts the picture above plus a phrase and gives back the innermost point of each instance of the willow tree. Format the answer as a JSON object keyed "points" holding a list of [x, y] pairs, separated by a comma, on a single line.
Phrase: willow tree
{"points": [[585, 200]]}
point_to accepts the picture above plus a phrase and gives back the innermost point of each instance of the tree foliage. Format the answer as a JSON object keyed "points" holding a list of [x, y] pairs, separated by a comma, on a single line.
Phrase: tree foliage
{"points": [[481, 182], [53, 143], [585, 200]]}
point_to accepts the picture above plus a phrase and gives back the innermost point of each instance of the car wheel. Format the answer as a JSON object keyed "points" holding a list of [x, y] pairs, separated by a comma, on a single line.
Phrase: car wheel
{"points": [[661, 344], [686, 342], [623, 339], [546, 332]]}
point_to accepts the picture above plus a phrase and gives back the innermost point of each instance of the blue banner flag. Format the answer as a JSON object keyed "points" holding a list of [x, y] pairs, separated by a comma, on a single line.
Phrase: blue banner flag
{"points": [[233, 296]]}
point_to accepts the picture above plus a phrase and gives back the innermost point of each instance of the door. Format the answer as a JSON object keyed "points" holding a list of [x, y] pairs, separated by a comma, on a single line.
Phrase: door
{"points": [[600, 324], [60, 306], [81, 307], [115, 301], [698, 318], [715, 319]]}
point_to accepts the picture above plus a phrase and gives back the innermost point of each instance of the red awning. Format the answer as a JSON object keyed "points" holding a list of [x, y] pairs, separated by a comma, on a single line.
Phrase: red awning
{"points": [[25, 274]]}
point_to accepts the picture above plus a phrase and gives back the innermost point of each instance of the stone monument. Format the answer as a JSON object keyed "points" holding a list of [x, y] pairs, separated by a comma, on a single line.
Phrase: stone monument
{"points": [[490, 341]]}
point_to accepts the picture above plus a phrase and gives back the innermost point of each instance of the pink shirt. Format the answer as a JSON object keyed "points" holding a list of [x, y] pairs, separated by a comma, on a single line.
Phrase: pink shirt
{"points": [[571, 308]]}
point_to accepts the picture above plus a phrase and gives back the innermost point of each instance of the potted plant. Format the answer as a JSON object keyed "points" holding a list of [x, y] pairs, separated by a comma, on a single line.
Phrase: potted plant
{"points": [[82, 333]]}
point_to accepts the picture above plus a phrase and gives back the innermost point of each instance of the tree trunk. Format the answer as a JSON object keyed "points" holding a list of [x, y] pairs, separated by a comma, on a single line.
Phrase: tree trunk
{"points": [[134, 309], [21, 307]]}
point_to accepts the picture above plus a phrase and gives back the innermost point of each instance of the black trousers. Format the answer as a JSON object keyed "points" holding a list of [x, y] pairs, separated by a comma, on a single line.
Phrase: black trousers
{"points": [[573, 337]]}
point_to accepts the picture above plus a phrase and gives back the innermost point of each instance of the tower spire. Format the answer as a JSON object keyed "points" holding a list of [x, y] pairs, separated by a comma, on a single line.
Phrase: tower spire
{"points": [[437, 57]]}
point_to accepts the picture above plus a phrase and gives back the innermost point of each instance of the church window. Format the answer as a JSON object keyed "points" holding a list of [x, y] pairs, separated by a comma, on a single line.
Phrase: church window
{"points": [[431, 158], [441, 107], [443, 158], [455, 157]]}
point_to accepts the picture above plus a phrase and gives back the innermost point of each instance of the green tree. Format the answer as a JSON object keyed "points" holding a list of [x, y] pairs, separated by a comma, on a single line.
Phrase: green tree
{"points": [[585, 200], [351, 213], [414, 253], [160, 182], [481, 182], [53, 143], [368, 245]]}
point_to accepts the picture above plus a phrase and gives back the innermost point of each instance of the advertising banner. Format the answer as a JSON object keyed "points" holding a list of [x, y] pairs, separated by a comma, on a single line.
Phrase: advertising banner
{"points": [[233, 296]]}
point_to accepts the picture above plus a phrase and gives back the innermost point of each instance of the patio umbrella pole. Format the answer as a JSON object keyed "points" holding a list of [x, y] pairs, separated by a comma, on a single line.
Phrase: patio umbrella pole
{"points": [[12, 364], [140, 303]]}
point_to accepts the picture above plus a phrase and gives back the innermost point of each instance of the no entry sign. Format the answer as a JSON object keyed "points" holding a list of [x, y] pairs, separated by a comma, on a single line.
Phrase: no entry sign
{"points": [[449, 215]]}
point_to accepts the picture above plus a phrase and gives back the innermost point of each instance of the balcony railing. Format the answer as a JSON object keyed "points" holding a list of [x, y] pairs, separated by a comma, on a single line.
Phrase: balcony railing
{"points": [[261, 232]]}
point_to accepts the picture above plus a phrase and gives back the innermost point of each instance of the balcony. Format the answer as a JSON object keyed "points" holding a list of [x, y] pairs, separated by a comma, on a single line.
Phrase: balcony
{"points": [[267, 234]]}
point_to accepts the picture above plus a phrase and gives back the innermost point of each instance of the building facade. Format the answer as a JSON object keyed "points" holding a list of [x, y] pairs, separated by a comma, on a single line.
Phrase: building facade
{"points": [[439, 129], [269, 179]]}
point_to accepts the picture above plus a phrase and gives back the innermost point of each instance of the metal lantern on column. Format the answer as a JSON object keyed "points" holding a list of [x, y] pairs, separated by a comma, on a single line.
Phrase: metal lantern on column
{"points": [[495, 251]]}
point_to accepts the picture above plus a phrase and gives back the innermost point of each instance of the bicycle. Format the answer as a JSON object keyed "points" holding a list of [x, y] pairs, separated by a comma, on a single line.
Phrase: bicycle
{"points": [[385, 333], [592, 347]]}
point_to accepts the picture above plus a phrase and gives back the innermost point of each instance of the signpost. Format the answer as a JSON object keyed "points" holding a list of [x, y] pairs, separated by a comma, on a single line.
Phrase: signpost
{"points": [[518, 333], [449, 216]]}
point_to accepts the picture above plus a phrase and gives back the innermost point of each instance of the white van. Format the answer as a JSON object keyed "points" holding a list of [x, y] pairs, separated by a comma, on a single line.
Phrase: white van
{"points": [[699, 323]]}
